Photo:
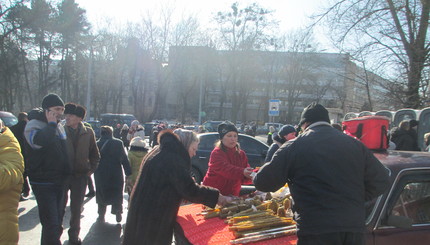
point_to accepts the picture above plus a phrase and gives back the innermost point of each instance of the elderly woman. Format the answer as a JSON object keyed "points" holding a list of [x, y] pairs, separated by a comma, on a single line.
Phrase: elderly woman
{"points": [[108, 176], [163, 182], [228, 164]]}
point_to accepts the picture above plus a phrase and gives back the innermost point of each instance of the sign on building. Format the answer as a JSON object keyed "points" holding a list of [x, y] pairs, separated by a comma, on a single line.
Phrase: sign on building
{"points": [[274, 107]]}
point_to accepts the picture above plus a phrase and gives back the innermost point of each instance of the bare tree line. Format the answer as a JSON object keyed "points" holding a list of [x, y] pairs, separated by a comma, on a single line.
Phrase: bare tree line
{"points": [[49, 46]]}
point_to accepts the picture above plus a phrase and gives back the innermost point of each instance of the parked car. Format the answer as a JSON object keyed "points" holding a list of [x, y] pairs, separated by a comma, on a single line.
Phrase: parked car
{"points": [[96, 126], [255, 151], [265, 129], [8, 118], [113, 119], [211, 126], [402, 214]]}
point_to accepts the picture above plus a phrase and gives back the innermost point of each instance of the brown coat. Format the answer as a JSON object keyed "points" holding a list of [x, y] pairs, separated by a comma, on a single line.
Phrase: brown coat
{"points": [[83, 152]]}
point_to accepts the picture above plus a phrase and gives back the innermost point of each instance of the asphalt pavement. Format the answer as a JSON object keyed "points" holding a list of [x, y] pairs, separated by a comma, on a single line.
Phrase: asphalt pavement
{"points": [[92, 232]]}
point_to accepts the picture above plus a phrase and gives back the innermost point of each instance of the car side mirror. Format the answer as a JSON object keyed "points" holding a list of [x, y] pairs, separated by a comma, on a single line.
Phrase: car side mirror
{"points": [[399, 221]]}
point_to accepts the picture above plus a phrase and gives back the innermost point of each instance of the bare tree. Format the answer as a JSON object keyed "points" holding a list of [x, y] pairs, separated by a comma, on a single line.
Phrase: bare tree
{"points": [[395, 31]]}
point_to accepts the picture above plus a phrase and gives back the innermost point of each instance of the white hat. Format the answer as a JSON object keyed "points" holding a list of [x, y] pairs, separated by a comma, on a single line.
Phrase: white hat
{"points": [[137, 141]]}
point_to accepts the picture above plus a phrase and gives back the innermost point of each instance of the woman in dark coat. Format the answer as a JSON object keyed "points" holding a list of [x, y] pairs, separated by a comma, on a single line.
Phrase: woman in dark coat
{"points": [[108, 176], [163, 182]]}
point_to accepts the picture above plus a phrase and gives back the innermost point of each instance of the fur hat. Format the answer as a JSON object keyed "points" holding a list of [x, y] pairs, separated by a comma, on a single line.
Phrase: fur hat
{"points": [[285, 130], [51, 100], [226, 127], [138, 142], [314, 113], [74, 109]]}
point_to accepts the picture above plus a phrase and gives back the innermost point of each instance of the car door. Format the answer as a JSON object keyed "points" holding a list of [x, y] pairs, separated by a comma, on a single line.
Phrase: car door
{"points": [[406, 215], [255, 150]]}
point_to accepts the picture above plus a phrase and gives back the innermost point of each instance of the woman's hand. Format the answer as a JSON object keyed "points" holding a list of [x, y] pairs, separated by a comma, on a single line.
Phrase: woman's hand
{"points": [[223, 200], [247, 172]]}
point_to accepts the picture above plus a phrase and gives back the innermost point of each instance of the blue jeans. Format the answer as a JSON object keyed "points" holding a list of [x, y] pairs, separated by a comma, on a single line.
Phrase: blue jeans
{"points": [[50, 202]]}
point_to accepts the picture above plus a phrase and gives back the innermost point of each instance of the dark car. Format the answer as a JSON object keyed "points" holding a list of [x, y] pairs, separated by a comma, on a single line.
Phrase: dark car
{"points": [[402, 214], [8, 118], [96, 126], [211, 126], [255, 151]]}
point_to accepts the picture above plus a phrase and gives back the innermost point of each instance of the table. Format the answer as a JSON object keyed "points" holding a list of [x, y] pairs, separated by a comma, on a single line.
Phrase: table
{"points": [[214, 231]]}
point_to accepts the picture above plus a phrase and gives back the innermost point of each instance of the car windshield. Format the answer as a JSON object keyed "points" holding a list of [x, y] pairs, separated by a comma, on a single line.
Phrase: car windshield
{"points": [[9, 121]]}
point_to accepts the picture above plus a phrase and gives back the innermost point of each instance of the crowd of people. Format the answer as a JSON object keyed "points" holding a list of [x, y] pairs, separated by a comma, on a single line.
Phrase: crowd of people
{"points": [[330, 174]]}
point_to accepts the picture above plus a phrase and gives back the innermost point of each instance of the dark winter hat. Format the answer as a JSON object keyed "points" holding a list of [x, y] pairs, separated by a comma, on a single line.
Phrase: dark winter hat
{"points": [[413, 123], [51, 100], [226, 127], [285, 130], [314, 113], [74, 109]]}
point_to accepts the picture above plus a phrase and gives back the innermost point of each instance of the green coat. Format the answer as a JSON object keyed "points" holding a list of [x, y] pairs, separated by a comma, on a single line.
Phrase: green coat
{"points": [[135, 159]]}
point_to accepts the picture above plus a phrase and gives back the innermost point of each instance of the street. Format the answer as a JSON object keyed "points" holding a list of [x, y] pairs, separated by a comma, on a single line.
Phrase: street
{"points": [[92, 232]]}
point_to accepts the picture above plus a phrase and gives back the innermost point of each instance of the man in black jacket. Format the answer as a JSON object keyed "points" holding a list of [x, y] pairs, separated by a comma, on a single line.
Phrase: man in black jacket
{"points": [[47, 165], [18, 131], [330, 176]]}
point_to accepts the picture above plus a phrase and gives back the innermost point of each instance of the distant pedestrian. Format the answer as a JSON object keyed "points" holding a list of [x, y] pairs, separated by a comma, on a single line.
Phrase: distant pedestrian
{"points": [[18, 131], [124, 133], [285, 133], [48, 165], [402, 138], [270, 134], [109, 176], [136, 154], [117, 131], [12, 168]]}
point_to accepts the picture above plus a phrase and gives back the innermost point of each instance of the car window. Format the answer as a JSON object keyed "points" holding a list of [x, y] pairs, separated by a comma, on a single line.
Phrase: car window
{"points": [[9, 121], [207, 142], [250, 145], [414, 202]]}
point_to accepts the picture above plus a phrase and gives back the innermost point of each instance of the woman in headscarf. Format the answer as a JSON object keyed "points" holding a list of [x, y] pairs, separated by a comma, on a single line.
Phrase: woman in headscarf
{"points": [[165, 180]]}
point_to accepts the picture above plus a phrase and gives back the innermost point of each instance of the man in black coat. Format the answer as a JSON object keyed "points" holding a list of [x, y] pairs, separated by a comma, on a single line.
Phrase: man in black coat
{"points": [[18, 131], [330, 176]]}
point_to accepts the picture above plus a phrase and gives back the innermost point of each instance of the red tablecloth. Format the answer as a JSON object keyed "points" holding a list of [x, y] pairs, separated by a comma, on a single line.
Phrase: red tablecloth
{"points": [[214, 231]]}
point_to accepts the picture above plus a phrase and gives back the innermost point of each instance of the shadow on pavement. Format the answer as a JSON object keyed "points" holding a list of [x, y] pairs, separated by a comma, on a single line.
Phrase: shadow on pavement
{"points": [[29, 220], [103, 233]]}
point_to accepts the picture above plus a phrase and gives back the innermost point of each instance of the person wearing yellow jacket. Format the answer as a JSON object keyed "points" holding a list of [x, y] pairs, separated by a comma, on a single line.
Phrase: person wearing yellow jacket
{"points": [[11, 170]]}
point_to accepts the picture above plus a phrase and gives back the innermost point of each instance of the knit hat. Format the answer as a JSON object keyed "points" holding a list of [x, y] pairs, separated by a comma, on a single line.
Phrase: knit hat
{"points": [[314, 113], [285, 130], [138, 142], [74, 109], [413, 123], [226, 127], [51, 100], [135, 123]]}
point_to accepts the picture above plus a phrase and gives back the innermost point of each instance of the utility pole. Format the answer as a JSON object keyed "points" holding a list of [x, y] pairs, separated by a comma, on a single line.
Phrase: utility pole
{"points": [[90, 76]]}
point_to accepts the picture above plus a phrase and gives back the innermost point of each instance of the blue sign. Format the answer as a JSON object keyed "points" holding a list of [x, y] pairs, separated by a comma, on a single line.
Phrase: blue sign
{"points": [[274, 108]]}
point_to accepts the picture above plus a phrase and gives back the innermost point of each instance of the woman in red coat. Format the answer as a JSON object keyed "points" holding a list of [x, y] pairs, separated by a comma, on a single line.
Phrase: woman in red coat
{"points": [[228, 164]]}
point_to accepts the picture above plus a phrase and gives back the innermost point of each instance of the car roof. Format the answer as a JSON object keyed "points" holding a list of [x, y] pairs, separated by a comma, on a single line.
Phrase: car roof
{"points": [[6, 114], [397, 161]]}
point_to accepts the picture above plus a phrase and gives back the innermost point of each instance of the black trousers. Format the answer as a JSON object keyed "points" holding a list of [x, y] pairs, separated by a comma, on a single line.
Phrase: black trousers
{"points": [[336, 238], [50, 201]]}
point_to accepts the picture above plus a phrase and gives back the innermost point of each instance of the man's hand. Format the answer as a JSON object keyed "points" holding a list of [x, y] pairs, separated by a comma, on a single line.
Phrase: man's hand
{"points": [[223, 200], [51, 116]]}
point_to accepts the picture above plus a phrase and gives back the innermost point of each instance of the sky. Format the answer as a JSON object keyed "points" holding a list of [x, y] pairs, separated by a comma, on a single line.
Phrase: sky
{"points": [[292, 14]]}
